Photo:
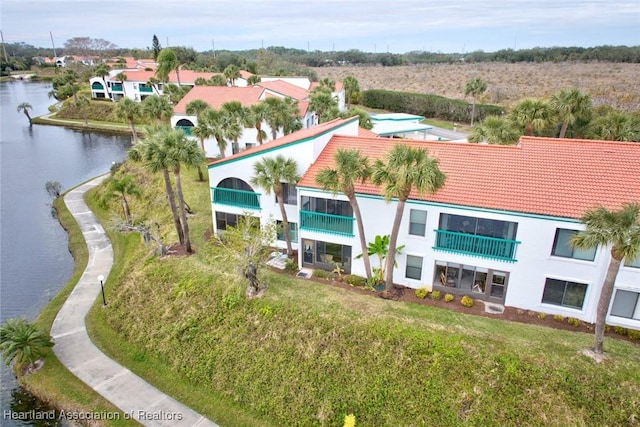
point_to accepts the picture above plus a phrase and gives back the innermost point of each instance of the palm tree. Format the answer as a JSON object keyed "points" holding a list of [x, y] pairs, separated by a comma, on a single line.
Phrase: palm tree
{"points": [[122, 77], [128, 111], [151, 154], [221, 127], [253, 80], [364, 119], [153, 82], [321, 102], [269, 174], [232, 73], [25, 107], [475, 87], [569, 105], [532, 115], [121, 188], [196, 107], [621, 231], [616, 126], [167, 62], [351, 167], [259, 114], [351, 88], [494, 130], [406, 169], [238, 115], [83, 103], [22, 342], [102, 71], [380, 248], [157, 107]]}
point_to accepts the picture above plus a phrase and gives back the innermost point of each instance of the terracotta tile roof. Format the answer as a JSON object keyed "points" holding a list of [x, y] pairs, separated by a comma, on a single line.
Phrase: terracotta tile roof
{"points": [[245, 74], [186, 76], [547, 176], [366, 133], [215, 96], [287, 139], [285, 89]]}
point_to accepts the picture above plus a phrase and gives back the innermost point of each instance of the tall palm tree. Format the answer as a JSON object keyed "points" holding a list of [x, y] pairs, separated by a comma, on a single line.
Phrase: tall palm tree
{"points": [[532, 115], [569, 105], [619, 230], [122, 77], [196, 107], [406, 169], [364, 119], [239, 115], [158, 108], [232, 73], [321, 101], [121, 188], [351, 87], [151, 154], [269, 174], [25, 107], [276, 109], [475, 87], [153, 82], [83, 103], [22, 342], [128, 111], [494, 130], [253, 80], [167, 62], [221, 127], [259, 114], [351, 167], [102, 71]]}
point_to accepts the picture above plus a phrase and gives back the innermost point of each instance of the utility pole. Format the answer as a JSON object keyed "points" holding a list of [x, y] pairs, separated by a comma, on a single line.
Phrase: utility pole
{"points": [[213, 46], [4, 49], [167, 41], [55, 55]]}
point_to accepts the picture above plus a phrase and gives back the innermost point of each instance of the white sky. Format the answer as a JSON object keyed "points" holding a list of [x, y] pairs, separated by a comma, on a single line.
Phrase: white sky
{"points": [[373, 26]]}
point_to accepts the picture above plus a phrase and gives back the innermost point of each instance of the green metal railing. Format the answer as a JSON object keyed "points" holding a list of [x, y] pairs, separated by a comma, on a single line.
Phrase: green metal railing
{"points": [[471, 244], [238, 198], [186, 129], [146, 89], [326, 223], [116, 87]]}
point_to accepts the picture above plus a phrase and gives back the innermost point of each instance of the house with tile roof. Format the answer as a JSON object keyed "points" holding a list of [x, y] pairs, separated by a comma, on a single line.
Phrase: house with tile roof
{"points": [[497, 231]]}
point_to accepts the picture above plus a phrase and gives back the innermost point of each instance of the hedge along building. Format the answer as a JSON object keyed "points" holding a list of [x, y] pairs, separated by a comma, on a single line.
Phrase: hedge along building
{"points": [[498, 230]]}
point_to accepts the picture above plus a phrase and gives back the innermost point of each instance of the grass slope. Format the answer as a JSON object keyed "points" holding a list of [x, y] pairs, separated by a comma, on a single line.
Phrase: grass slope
{"points": [[307, 354]]}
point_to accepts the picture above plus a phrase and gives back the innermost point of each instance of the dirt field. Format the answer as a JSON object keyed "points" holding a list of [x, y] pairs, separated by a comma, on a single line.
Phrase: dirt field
{"points": [[614, 84]]}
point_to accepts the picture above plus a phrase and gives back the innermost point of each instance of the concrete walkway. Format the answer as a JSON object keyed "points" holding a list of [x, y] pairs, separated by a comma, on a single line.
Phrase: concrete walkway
{"points": [[134, 396]]}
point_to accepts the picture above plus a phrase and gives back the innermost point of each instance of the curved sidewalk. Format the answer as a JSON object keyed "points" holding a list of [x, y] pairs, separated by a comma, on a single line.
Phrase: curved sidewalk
{"points": [[73, 347]]}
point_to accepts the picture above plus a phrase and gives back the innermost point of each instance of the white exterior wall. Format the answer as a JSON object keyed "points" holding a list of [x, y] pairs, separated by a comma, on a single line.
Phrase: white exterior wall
{"points": [[526, 276]]}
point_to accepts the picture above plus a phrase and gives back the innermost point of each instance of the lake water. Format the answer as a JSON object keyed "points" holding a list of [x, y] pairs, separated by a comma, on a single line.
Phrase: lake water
{"points": [[34, 258]]}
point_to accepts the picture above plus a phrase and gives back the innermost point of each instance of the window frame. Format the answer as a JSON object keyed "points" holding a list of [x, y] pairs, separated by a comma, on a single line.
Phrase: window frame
{"points": [[548, 294], [293, 233], [574, 251], [636, 305], [419, 269], [423, 225]]}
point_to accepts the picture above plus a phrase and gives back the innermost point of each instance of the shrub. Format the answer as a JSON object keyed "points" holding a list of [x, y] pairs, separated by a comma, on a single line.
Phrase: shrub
{"points": [[322, 274], [558, 318], [436, 295], [422, 293], [466, 301], [448, 298], [541, 316], [620, 330], [633, 335], [290, 266], [355, 280], [573, 321]]}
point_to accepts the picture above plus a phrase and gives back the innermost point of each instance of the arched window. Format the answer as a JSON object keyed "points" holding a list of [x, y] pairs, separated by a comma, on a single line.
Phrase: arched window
{"points": [[97, 86]]}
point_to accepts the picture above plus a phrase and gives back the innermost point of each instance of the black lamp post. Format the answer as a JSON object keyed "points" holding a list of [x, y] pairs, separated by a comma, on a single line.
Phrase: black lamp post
{"points": [[101, 279]]}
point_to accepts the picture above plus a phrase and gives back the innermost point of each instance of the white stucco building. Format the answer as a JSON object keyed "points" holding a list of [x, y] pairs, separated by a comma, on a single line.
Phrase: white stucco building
{"points": [[498, 230]]}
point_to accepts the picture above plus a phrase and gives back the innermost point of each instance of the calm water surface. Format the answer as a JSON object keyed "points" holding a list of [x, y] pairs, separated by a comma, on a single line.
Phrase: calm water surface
{"points": [[34, 259]]}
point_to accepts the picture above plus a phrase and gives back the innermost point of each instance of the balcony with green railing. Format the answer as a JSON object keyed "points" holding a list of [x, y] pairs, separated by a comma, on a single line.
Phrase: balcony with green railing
{"points": [[145, 89], [326, 223], [472, 244], [116, 87], [238, 198], [186, 129]]}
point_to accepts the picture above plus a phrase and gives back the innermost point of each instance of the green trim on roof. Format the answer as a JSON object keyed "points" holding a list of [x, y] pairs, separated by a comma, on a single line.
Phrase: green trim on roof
{"points": [[461, 207], [288, 144], [397, 119], [424, 129]]}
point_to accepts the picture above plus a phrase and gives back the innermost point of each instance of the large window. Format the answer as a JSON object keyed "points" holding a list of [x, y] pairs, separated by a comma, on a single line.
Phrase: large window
{"points": [[564, 293], [626, 304], [224, 220], [479, 226], [473, 280], [293, 231], [327, 206], [632, 263], [289, 194], [414, 267], [562, 248], [417, 222]]}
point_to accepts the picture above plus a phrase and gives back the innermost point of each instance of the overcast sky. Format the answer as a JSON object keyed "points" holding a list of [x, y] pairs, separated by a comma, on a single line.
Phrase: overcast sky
{"points": [[369, 25]]}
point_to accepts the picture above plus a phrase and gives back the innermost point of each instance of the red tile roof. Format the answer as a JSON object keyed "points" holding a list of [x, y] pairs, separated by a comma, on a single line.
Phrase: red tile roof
{"points": [[285, 89], [186, 76], [547, 176], [300, 135], [366, 133], [215, 96]]}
